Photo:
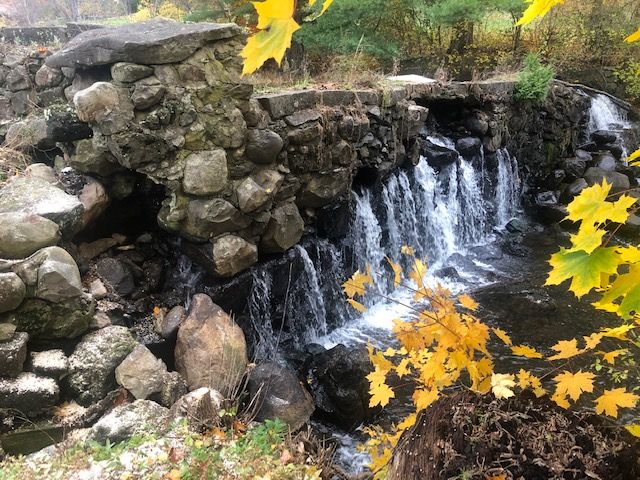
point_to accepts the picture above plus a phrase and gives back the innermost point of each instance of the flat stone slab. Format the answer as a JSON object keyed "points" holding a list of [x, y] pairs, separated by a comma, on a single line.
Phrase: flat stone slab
{"points": [[154, 42]]}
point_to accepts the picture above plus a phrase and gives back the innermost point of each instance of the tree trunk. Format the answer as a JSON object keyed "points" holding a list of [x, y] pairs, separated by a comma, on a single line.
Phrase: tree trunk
{"points": [[462, 36]]}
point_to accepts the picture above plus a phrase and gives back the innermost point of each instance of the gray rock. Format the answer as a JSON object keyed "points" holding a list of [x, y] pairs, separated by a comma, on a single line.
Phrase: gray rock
{"points": [[12, 291], [125, 421], [49, 363], [94, 199], [94, 361], [172, 321], [47, 77], [90, 158], [22, 102], [116, 274], [147, 93], [95, 102], [173, 388], [324, 189], [42, 172], [284, 230], [200, 407], [29, 394], [13, 354], [206, 173], [6, 331], [263, 146], [153, 42], [211, 350], [251, 196], [278, 394], [97, 289], [605, 161], [130, 72], [469, 146], [18, 79], [437, 155], [575, 167], [576, 187], [279, 105], [602, 137], [232, 255], [29, 133], [58, 276], [50, 321], [22, 234], [142, 373], [36, 196], [478, 123], [618, 181], [303, 116], [207, 218]]}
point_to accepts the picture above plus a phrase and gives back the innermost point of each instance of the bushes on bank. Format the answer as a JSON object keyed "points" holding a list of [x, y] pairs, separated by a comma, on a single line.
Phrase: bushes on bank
{"points": [[534, 80]]}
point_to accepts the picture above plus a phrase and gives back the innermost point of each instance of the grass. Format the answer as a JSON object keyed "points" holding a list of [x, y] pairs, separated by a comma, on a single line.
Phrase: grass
{"points": [[264, 450]]}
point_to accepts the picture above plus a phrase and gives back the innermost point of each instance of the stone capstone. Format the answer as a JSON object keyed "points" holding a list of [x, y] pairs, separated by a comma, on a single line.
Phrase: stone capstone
{"points": [[36, 196], [29, 394], [279, 394], [93, 363], [232, 255], [263, 146], [205, 172], [13, 354], [211, 350], [22, 234], [142, 373], [125, 421], [284, 230], [12, 291], [153, 42]]}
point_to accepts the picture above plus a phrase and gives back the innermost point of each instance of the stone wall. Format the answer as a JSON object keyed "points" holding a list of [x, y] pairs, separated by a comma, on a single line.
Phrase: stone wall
{"points": [[43, 35]]}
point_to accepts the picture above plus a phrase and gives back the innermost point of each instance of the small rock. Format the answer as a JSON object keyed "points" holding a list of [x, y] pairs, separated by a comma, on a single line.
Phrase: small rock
{"points": [[284, 230], [232, 255], [130, 72], [263, 146], [91, 250], [124, 421], [12, 291], [251, 196], [49, 363], [206, 172], [200, 407], [278, 393], [100, 320], [22, 234], [94, 199], [13, 354], [173, 388], [6, 331], [98, 290], [602, 137], [605, 161], [171, 321], [469, 147], [47, 77], [142, 373], [58, 277], [116, 274], [147, 93], [574, 189], [29, 394]]}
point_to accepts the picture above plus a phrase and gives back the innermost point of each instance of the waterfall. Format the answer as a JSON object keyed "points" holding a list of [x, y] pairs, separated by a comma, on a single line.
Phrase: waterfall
{"points": [[188, 276], [441, 214], [606, 115]]}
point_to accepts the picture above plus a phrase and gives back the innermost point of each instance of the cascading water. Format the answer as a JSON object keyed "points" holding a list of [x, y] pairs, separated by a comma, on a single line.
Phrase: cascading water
{"points": [[188, 276], [606, 115], [507, 198]]}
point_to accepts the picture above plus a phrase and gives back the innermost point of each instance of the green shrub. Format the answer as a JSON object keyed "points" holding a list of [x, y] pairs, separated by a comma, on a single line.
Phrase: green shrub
{"points": [[629, 75], [534, 80]]}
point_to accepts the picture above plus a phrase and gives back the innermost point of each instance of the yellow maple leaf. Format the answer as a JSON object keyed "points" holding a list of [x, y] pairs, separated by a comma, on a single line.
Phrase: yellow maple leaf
{"points": [[609, 402], [357, 305], [634, 37], [377, 377], [501, 385], [634, 157], [588, 238], [277, 26], [574, 384], [397, 272], [418, 272], [592, 341], [538, 8], [502, 335], [526, 351], [560, 400], [566, 349], [467, 302], [592, 206], [403, 368], [634, 429], [356, 285], [380, 395], [423, 398], [610, 357], [619, 333], [325, 5]]}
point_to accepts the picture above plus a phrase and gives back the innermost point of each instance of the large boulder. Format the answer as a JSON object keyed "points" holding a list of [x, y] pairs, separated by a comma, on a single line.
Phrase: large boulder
{"points": [[437, 155], [94, 361], [13, 354], [210, 218], [125, 421], [284, 230], [211, 350], [29, 394], [142, 373], [279, 394], [95, 102], [618, 181], [22, 234], [153, 42], [232, 255], [35, 196], [12, 291], [602, 137], [343, 399]]}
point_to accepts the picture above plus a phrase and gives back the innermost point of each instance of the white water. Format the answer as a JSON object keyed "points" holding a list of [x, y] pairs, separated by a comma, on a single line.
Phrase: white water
{"points": [[188, 275], [606, 115]]}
